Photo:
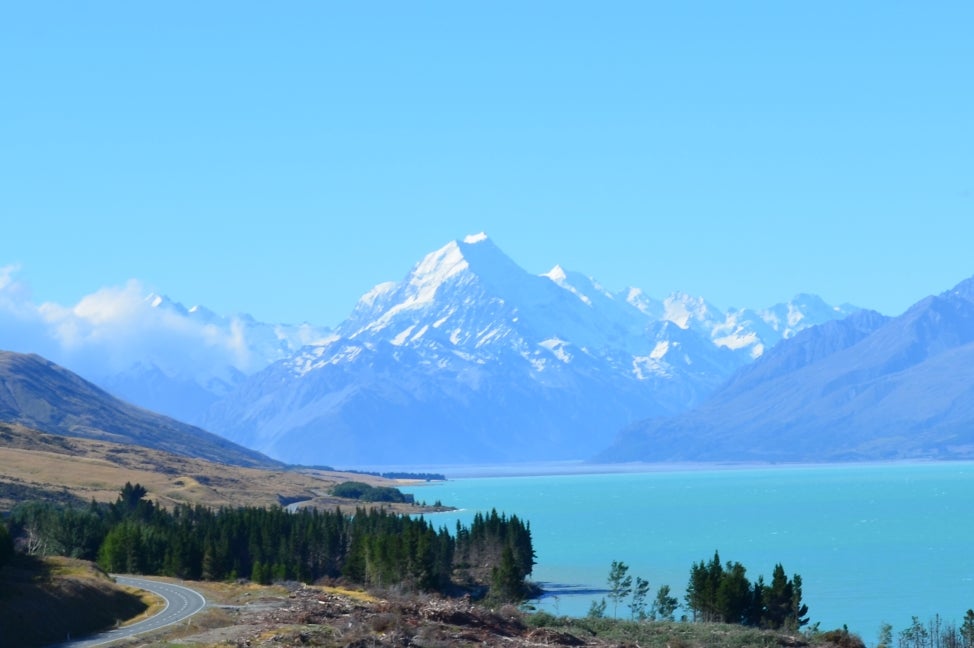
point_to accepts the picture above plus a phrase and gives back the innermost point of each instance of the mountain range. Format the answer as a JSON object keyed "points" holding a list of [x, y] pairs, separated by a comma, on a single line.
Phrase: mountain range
{"points": [[471, 359], [864, 388], [183, 376]]}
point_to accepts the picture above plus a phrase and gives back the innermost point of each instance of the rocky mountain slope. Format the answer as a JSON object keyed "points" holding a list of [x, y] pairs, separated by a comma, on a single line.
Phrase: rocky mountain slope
{"points": [[864, 388]]}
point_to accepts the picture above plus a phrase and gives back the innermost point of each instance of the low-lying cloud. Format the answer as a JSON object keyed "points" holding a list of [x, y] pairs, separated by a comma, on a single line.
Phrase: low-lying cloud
{"points": [[117, 328]]}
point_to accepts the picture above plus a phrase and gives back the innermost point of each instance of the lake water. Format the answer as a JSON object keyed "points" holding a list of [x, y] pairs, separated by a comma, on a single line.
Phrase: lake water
{"points": [[872, 543]]}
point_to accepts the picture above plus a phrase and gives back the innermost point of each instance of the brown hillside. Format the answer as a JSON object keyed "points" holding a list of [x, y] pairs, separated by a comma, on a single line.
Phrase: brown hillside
{"points": [[36, 465]]}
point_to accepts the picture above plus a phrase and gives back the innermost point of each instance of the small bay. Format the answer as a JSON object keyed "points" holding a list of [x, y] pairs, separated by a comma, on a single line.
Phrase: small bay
{"points": [[873, 543]]}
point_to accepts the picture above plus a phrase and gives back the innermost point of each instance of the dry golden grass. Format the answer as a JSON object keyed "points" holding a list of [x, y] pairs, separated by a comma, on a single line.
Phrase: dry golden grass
{"points": [[153, 604], [85, 469], [237, 593], [356, 595]]}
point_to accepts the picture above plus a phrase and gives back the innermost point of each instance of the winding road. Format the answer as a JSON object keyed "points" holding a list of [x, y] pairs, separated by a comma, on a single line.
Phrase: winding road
{"points": [[181, 603]]}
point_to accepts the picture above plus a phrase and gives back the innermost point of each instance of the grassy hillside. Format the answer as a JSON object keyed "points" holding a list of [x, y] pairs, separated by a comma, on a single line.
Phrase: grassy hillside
{"points": [[35, 465]]}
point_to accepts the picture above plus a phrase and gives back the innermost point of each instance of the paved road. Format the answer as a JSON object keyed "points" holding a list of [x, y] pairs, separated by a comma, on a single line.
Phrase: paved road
{"points": [[181, 603]]}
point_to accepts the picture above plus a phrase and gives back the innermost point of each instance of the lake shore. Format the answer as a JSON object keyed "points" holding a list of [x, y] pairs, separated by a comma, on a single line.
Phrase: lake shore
{"points": [[580, 467]]}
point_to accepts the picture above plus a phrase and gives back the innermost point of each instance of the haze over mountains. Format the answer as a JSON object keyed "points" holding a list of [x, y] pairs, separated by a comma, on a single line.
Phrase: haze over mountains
{"points": [[471, 359]]}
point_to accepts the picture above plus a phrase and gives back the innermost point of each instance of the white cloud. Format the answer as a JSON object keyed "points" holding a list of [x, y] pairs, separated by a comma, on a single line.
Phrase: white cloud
{"points": [[6, 275], [13, 293], [113, 305], [117, 327]]}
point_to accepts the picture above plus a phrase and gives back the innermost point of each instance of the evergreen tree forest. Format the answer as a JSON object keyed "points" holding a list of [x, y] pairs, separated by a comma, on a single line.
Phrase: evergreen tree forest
{"points": [[372, 548], [722, 593], [496, 549]]}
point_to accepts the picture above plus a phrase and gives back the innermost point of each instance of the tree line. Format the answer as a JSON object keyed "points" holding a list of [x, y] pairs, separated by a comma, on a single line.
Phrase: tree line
{"points": [[716, 592], [722, 593], [496, 549], [936, 633], [622, 589], [370, 547], [361, 491]]}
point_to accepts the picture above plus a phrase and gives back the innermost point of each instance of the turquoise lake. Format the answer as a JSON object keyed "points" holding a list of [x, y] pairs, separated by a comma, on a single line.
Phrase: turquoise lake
{"points": [[872, 543]]}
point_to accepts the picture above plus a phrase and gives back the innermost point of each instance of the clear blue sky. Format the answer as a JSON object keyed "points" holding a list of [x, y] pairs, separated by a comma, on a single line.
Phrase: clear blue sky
{"points": [[282, 158]]}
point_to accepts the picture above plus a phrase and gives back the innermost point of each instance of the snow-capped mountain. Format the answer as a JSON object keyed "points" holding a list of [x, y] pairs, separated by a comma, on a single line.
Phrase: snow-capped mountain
{"points": [[468, 358], [214, 356], [864, 388], [746, 330], [472, 359]]}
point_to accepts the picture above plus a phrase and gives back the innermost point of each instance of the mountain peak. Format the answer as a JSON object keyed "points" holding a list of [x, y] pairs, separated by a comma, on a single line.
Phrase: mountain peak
{"points": [[163, 302], [556, 274], [964, 289], [454, 257], [685, 310], [461, 263], [436, 267]]}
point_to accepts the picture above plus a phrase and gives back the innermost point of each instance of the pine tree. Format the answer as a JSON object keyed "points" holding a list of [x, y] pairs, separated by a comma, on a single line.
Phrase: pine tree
{"points": [[664, 606], [701, 596], [885, 636], [258, 574], [506, 581], [916, 636], [756, 611], [797, 618], [734, 595], [637, 606], [778, 599], [620, 584], [967, 629], [597, 609]]}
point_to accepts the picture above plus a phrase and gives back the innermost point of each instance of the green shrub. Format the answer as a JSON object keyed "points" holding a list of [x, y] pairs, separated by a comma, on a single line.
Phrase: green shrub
{"points": [[366, 493], [542, 619]]}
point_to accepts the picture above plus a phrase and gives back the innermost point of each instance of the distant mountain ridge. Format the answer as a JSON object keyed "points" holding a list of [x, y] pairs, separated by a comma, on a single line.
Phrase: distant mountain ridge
{"points": [[169, 378], [865, 388], [41, 395], [472, 359]]}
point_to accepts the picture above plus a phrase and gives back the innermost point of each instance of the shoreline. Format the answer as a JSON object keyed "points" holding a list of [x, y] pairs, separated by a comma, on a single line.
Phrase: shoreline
{"points": [[579, 467]]}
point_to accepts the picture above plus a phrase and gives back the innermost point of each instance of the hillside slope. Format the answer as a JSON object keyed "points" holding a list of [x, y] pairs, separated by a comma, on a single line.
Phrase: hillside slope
{"points": [[39, 394], [39, 466]]}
